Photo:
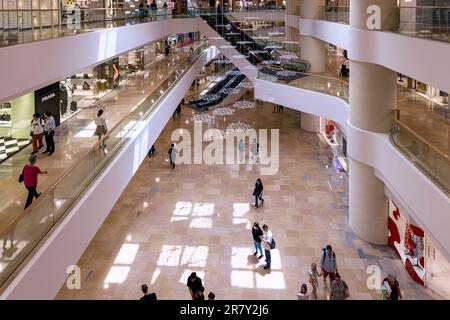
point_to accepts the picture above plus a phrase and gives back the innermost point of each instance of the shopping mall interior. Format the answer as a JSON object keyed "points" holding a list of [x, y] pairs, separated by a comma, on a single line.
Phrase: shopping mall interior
{"points": [[325, 121]]}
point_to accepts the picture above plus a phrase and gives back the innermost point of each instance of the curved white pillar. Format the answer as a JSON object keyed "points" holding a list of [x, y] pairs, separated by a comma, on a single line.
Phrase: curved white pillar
{"points": [[368, 205], [309, 122], [373, 96], [312, 49]]}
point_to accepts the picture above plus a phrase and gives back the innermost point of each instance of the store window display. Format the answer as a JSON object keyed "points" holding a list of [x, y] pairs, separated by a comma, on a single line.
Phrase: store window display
{"points": [[407, 239], [15, 117], [337, 140]]}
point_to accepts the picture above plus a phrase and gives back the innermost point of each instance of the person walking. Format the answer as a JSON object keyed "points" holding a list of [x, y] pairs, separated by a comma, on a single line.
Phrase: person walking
{"points": [[257, 192], [191, 55], [328, 264], [165, 10], [385, 289], [194, 284], [254, 147], [141, 10], [267, 239], [147, 296], [395, 288], [152, 151], [154, 9], [211, 296], [339, 288], [172, 156], [200, 295], [302, 294], [257, 233], [101, 128], [241, 150], [313, 274], [49, 131], [167, 48], [29, 175], [37, 132]]}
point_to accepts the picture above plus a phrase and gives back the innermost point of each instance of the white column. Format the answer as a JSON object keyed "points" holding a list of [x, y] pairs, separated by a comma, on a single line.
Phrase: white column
{"points": [[368, 216], [309, 122], [292, 33], [373, 96], [312, 49]]}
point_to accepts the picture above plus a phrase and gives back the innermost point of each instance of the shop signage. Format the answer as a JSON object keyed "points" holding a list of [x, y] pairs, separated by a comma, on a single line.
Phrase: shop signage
{"points": [[48, 97]]}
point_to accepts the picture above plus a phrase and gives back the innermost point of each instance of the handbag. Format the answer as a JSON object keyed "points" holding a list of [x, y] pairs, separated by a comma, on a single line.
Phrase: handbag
{"points": [[5, 117], [86, 86], [21, 178], [346, 292]]}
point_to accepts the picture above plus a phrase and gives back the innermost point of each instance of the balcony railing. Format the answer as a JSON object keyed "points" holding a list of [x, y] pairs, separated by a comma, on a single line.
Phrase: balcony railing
{"points": [[26, 25], [428, 158], [419, 21], [28, 229], [425, 22], [432, 161], [307, 81], [335, 14]]}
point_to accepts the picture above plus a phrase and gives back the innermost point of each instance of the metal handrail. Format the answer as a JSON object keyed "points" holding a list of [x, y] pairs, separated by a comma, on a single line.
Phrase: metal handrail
{"points": [[28, 210]]}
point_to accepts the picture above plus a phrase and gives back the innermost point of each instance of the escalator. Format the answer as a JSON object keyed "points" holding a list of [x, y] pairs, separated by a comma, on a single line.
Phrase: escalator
{"points": [[255, 49], [222, 87]]}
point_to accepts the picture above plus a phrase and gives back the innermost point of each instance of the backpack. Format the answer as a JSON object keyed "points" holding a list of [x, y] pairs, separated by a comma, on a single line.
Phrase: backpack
{"points": [[272, 244], [324, 254]]}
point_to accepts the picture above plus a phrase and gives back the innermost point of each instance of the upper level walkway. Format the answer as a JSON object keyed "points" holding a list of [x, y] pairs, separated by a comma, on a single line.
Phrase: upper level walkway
{"points": [[18, 26], [77, 156]]}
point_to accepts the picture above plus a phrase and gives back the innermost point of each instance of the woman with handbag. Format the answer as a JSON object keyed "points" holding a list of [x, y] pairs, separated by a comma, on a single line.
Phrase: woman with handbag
{"points": [[339, 288], [37, 132], [29, 177], [257, 192], [101, 128]]}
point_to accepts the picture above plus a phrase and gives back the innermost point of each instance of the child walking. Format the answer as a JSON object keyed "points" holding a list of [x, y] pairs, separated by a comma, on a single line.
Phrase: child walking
{"points": [[313, 274]]}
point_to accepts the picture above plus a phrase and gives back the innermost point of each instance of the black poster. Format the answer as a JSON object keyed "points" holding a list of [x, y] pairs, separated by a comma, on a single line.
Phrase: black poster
{"points": [[47, 99]]}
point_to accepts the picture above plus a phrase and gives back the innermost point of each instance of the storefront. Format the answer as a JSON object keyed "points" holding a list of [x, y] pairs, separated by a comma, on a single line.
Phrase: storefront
{"points": [[427, 91], [335, 137], [425, 264], [15, 117]]}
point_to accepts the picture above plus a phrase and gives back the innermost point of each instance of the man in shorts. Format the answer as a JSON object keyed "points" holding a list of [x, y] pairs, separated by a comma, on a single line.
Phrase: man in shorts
{"points": [[328, 264]]}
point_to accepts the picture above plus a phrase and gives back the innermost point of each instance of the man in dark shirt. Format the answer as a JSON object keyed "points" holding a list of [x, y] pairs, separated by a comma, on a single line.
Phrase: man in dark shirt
{"points": [[147, 296], [194, 284]]}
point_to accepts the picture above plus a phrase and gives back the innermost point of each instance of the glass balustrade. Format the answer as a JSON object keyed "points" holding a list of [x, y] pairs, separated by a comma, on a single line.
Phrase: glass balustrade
{"points": [[27, 230], [431, 22], [434, 162], [26, 25], [334, 14], [306, 81], [425, 22]]}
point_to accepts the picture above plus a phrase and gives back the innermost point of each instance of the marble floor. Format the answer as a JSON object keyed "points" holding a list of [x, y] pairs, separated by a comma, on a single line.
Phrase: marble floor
{"points": [[197, 218], [74, 138]]}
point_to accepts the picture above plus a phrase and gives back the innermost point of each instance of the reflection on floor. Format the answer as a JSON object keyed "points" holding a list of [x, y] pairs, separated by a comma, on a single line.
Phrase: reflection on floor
{"points": [[197, 218]]}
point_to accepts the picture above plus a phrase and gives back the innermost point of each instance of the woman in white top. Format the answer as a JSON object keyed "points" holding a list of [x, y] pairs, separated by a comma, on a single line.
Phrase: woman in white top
{"points": [[101, 129], [302, 294], [37, 132]]}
